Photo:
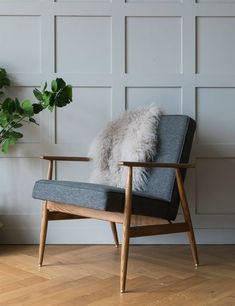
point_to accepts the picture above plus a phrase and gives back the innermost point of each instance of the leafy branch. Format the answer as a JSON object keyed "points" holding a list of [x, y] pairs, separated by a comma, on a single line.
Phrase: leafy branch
{"points": [[14, 113]]}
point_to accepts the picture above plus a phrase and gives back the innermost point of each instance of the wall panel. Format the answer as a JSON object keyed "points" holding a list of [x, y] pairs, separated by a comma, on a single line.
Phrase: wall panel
{"points": [[153, 44], [83, 44], [215, 115], [21, 37], [167, 98], [214, 196], [215, 48], [87, 102]]}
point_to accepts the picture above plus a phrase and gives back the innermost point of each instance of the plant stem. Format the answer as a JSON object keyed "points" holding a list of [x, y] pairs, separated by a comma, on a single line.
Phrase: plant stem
{"points": [[9, 128]]}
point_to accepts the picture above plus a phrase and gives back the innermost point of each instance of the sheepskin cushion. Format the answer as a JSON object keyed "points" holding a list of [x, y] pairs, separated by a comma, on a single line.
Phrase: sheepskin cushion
{"points": [[133, 137]]}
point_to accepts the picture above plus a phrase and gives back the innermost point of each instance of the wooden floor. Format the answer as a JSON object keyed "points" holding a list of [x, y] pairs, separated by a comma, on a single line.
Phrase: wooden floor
{"points": [[89, 275]]}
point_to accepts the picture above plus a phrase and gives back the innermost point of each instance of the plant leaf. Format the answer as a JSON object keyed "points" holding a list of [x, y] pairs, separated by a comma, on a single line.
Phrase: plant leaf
{"points": [[51, 108], [19, 109], [45, 86], [5, 145], [4, 81], [15, 135], [17, 125], [69, 92], [37, 108], [54, 86], [3, 119], [33, 121], [60, 83], [6, 103], [38, 95], [11, 107], [46, 98], [28, 108]]}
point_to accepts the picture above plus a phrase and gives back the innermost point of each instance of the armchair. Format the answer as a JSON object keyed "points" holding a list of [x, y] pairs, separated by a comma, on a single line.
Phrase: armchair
{"points": [[145, 213]]}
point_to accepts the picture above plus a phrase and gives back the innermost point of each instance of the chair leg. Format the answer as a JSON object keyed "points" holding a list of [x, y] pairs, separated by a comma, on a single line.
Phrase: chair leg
{"points": [[125, 233], [193, 246], [124, 258], [43, 234], [187, 217], [115, 235]]}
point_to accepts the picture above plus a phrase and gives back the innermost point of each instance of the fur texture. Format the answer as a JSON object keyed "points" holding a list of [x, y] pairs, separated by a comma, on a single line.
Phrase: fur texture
{"points": [[133, 137]]}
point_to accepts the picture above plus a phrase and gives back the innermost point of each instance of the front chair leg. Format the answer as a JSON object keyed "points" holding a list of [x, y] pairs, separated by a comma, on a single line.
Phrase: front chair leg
{"points": [[124, 258], [43, 233], [126, 227]]}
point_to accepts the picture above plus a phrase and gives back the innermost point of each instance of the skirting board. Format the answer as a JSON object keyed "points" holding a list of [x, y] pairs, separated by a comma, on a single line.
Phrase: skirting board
{"points": [[100, 233]]}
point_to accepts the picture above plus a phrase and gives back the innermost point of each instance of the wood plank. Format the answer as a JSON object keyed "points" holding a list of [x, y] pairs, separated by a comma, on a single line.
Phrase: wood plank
{"points": [[66, 158], [101, 215], [150, 230], [56, 215], [155, 165]]}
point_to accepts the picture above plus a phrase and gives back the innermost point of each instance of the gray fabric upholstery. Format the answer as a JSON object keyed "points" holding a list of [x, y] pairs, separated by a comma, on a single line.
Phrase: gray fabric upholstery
{"points": [[175, 141], [98, 197], [160, 199]]}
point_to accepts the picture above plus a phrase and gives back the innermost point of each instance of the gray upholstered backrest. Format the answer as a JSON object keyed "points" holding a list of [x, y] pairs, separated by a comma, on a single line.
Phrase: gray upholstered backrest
{"points": [[175, 141]]}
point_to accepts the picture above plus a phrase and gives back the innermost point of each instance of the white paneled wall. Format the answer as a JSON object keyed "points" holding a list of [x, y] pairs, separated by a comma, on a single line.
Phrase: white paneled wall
{"points": [[120, 55]]}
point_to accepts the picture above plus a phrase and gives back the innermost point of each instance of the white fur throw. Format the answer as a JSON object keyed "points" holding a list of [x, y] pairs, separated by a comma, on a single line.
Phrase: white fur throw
{"points": [[133, 137]]}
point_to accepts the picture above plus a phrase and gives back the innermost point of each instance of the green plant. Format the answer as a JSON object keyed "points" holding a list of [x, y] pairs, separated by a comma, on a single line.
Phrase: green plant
{"points": [[13, 113]]}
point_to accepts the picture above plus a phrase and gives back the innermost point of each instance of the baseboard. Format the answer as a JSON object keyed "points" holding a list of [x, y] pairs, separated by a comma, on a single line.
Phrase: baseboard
{"points": [[96, 232]]}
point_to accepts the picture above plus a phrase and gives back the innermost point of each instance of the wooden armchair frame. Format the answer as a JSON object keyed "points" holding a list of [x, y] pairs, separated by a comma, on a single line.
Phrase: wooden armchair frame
{"points": [[133, 225]]}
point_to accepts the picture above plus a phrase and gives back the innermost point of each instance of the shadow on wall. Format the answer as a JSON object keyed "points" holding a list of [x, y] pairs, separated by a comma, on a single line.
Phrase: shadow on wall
{"points": [[16, 229]]}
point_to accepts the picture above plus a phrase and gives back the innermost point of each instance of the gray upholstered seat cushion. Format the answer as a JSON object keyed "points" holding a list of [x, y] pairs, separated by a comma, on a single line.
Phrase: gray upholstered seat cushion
{"points": [[159, 199], [98, 197]]}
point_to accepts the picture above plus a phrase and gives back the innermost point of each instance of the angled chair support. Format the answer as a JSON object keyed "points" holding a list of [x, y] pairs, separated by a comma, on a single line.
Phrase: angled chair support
{"points": [[147, 213]]}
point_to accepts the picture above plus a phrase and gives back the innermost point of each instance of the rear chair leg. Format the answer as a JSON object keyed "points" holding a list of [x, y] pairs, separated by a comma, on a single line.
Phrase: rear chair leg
{"points": [[115, 236], [187, 217], [43, 233], [193, 246]]}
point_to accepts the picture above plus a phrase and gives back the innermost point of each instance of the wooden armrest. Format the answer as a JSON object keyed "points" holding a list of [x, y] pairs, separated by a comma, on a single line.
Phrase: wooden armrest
{"points": [[66, 158], [155, 165]]}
